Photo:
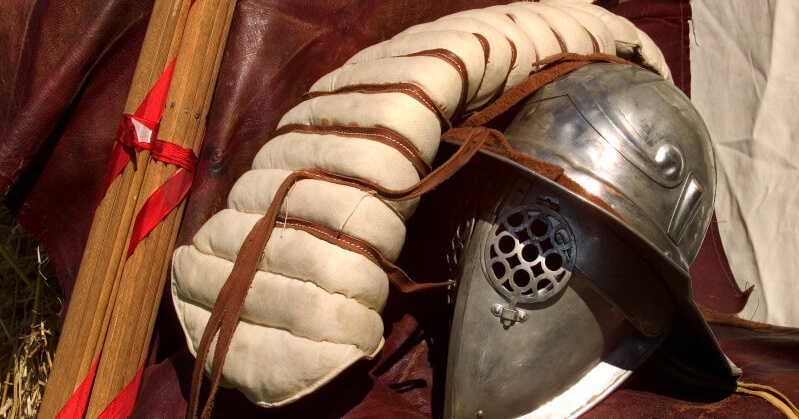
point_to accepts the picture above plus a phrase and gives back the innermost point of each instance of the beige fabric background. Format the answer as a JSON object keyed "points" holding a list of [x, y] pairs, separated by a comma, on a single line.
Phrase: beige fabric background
{"points": [[744, 61]]}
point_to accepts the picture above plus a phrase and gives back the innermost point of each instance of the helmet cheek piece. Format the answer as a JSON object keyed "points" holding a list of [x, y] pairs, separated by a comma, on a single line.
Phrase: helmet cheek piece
{"points": [[544, 314]]}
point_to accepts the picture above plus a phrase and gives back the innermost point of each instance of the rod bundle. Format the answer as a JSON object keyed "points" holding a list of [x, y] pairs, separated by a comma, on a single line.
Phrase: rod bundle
{"points": [[107, 332]]}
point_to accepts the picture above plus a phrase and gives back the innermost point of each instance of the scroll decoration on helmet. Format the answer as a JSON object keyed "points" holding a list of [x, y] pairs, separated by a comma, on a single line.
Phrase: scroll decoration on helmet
{"points": [[313, 306]]}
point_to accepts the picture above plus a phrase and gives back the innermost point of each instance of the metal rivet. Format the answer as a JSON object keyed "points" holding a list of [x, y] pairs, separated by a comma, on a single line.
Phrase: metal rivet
{"points": [[496, 309], [185, 111], [479, 414], [522, 316], [197, 115]]}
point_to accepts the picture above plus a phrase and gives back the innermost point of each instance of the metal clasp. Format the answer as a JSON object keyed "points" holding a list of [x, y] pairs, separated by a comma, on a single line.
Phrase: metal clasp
{"points": [[509, 315]]}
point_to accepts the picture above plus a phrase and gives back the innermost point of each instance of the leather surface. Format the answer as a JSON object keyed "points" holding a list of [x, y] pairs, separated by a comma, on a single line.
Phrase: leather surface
{"points": [[63, 84]]}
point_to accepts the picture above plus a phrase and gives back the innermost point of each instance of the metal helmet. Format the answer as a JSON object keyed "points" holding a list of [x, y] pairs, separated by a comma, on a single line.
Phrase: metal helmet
{"points": [[558, 300]]}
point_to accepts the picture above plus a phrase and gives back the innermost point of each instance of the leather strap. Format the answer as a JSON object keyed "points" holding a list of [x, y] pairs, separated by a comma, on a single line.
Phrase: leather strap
{"points": [[771, 395], [378, 134], [457, 63], [396, 276], [552, 68], [411, 90]]}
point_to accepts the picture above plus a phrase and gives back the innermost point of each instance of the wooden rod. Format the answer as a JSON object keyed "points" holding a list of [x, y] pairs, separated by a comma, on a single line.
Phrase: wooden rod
{"points": [[144, 274], [90, 298]]}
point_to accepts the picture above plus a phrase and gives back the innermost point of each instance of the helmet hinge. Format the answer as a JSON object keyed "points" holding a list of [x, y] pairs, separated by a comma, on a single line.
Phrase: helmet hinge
{"points": [[510, 314]]}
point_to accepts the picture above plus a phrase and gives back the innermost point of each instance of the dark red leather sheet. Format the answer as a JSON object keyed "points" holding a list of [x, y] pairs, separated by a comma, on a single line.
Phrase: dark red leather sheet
{"points": [[63, 82]]}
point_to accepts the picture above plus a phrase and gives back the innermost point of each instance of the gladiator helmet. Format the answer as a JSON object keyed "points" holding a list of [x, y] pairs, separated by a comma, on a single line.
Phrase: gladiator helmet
{"points": [[557, 299]]}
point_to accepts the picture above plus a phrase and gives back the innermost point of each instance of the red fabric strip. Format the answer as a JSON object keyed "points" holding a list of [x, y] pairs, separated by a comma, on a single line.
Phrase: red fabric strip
{"points": [[119, 158], [133, 129], [122, 405], [76, 405], [133, 135], [169, 195], [152, 107], [159, 204], [171, 153]]}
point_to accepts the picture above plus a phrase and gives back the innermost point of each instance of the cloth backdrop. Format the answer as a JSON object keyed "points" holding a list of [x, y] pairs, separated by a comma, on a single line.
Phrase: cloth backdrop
{"points": [[63, 82], [750, 106]]}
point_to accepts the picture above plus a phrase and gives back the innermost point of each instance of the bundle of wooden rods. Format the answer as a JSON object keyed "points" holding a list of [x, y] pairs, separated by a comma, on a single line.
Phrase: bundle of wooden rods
{"points": [[114, 304]]}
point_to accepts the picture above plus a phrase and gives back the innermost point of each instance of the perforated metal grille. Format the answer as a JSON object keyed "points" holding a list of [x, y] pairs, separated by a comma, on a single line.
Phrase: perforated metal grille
{"points": [[530, 253]]}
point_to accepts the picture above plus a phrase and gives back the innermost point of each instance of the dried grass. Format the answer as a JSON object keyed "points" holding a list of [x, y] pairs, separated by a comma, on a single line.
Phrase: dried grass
{"points": [[31, 300]]}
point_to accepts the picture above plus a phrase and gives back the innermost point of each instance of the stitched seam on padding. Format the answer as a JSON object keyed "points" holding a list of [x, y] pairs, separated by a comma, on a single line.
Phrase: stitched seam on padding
{"points": [[203, 306], [381, 135]]}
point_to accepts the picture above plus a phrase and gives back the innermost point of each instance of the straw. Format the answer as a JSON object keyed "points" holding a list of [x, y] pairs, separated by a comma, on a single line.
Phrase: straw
{"points": [[31, 300]]}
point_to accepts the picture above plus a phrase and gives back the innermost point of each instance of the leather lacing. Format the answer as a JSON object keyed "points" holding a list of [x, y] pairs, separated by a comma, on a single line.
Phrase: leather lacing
{"points": [[382, 135], [771, 395], [409, 89], [767, 393], [457, 63]]}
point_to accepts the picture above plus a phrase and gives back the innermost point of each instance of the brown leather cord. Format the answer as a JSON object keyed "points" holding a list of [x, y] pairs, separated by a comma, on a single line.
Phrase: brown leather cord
{"points": [[554, 67], [457, 63], [500, 146], [729, 319], [486, 54], [767, 393], [382, 135], [474, 140], [568, 56], [594, 43], [560, 40], [216, 321], [771, 395], [548, 170], [396, 276], [409, 89], [513, 57], [463, 155], [227, 309]]}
